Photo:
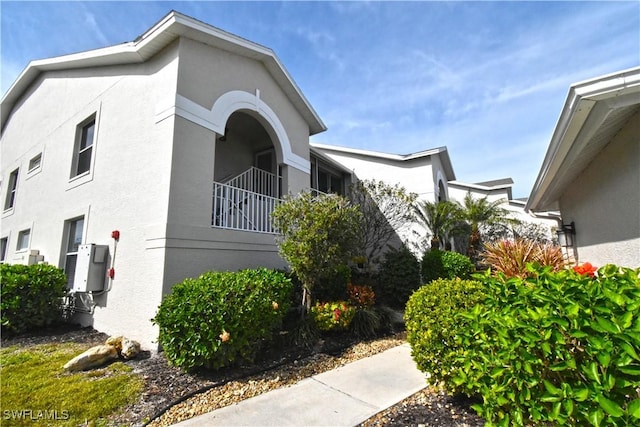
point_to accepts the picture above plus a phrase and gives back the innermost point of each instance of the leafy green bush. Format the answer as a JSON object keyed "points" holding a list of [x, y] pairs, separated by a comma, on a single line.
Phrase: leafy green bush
{"points": [[398, 277], [318, 236], [332, 286], [438, 264], [222, 317], [31, 296], [556, 347], [332, 316], [431, 323]]}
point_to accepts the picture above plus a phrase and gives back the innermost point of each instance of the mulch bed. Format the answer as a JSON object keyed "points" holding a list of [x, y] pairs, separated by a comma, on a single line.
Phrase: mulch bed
{"points": [[168, 390]]}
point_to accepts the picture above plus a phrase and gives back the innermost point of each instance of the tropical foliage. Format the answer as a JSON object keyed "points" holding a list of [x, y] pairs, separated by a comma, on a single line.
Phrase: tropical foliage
{"points": [[479, 214], [511, 257], [441, 218], [318, 236]]}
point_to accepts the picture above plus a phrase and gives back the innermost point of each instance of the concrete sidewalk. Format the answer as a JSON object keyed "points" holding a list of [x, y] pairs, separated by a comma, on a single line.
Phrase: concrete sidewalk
{"points": [[345, 396]]}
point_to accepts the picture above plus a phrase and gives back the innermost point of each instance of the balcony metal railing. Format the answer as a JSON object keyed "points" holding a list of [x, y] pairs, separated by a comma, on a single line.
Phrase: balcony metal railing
{"points": [[240, 209], [257, 181]]}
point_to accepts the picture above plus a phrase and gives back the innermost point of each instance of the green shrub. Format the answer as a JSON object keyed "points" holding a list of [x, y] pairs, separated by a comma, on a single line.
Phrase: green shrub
{"points": [[31, 296], [332, 316], [556, 347], [332, 286], [222, 317], [430, 319], [438, 264], [398, 277]]}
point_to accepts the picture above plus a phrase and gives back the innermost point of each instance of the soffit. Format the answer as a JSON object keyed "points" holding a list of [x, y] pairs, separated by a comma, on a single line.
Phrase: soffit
{"points": [[583, 152], [593, 113]]}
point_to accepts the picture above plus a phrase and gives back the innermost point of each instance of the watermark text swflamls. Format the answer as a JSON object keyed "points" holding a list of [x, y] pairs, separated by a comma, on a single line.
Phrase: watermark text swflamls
{"points": [[35, 415]]}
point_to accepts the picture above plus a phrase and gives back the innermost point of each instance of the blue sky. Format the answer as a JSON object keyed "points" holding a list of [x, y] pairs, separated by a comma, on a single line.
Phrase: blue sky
{"points": [[485, 79]]}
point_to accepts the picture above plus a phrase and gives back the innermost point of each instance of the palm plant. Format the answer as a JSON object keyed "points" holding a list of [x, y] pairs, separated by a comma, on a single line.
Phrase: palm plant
{"points": [[440, 218], [479, 213]]}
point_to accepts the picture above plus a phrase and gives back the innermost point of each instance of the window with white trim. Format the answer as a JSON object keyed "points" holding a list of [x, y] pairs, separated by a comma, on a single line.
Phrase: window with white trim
{"points": [[35, 163], [10, 199], [83, 147], [3, 248], [23, 240], [73, 234]]}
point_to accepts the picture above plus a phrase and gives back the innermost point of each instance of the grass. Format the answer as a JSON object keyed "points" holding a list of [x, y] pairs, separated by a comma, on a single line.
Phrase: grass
{"points": [[36, 388]]}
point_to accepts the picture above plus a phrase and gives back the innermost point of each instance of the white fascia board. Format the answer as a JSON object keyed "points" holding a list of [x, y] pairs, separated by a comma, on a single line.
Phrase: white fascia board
{"points": [[479, 187], [369, 153], [192, 28], [581, 100]]}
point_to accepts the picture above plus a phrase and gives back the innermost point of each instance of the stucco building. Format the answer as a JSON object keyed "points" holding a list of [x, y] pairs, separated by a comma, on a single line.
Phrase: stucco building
{"points": [[591, 171], [182, 141]]}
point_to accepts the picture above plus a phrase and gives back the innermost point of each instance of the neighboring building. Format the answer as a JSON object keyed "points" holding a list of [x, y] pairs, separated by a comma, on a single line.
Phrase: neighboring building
{"points": [[182, 141], [425, 173], [500, 189], [591, 172]]}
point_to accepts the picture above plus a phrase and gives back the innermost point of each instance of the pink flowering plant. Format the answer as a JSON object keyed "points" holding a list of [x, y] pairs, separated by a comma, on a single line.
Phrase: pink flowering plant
{"points": [[332, 316]]}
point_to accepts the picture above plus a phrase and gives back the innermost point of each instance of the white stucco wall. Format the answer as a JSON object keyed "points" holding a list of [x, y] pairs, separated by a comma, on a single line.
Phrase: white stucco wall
{"points": [[604, 202], [207, 73], [459, 192], [151, 176], [415, 176], [126, 190]]}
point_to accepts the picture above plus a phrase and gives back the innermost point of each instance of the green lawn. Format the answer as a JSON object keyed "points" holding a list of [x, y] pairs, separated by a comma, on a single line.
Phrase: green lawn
{"points": [[35, 388]]}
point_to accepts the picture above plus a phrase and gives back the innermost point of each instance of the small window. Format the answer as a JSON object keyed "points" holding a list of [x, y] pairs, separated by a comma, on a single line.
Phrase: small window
{"points": [[74, 229], [84, 148], [3, 248], [35, 162], [11, 190], [23, 240]]}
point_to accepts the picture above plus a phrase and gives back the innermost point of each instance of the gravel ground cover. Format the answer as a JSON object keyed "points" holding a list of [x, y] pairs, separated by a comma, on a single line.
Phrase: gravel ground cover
{"points": [[171, 395]]}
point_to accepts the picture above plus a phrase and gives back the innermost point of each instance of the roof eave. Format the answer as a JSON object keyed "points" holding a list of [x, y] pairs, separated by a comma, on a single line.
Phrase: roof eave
{"points": [[612, 91], [170, 27]]}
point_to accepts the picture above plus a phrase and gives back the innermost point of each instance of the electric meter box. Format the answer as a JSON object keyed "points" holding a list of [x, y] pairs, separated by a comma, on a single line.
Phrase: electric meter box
{"points": [[91, 268]]}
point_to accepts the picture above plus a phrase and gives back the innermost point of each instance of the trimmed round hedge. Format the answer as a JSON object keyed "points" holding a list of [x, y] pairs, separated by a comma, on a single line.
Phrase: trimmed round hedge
{"points": [[432, 326], [222, 317]]}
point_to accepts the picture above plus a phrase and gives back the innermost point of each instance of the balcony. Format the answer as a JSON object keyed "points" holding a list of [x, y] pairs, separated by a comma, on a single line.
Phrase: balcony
{"points": [[246, 202]]}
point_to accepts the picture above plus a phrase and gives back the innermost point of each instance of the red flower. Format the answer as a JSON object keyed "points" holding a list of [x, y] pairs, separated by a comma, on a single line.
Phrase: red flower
{"points": [[585, 269], [336, 314]]}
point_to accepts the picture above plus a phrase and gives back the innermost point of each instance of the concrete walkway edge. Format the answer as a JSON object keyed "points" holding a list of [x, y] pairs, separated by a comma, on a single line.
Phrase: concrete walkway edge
{"points": [[345, 396]]}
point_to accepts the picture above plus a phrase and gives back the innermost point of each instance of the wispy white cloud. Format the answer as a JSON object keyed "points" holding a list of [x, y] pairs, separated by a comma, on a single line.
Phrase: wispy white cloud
{"points": [[485, 79], [90, 21]]}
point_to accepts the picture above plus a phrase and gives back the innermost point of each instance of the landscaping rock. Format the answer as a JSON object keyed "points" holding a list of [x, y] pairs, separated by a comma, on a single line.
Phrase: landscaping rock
{"points": [[92, 358], [99, 355], [127, 348]]}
